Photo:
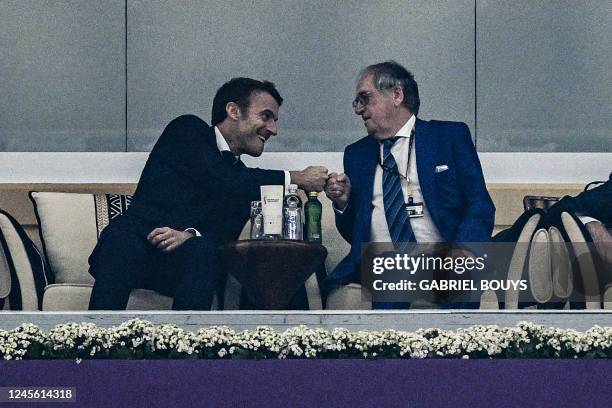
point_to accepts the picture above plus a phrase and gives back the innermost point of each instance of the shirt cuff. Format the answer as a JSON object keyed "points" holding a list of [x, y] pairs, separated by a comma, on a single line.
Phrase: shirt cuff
{"points": [[287, 179], [194, 231], [337, 211]]}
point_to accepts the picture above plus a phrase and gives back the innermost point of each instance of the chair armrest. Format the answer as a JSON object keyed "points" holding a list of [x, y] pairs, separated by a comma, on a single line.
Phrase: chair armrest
{"points": [[25, 264]]}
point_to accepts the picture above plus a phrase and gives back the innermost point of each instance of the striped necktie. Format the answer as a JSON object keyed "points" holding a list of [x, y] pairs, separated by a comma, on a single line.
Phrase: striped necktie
{"points": [[397, 217]]}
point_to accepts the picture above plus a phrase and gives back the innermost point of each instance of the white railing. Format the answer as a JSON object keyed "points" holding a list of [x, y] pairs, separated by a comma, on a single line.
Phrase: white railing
{"points": [[121, 167]]}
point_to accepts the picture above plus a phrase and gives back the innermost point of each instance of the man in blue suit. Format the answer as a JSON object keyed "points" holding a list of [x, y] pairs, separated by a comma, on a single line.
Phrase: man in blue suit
{"points": [[409, 180]]}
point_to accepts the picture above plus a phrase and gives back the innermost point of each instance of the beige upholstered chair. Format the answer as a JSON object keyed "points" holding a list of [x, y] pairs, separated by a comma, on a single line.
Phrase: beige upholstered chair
{"points": [[70, 224]]}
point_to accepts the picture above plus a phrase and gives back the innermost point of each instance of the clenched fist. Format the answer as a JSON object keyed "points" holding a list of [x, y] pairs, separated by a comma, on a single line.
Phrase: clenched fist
{"points": [[312, 178], [168, 239], [338, 189]]}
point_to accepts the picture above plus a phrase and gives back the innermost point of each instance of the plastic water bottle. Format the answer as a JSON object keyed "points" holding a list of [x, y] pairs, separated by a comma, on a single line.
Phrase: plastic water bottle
{"points": [[256, 221], [292, 215]]}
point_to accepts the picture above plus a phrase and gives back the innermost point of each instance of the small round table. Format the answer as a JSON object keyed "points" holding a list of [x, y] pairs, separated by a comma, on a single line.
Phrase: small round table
{"points": [[271, 272]]}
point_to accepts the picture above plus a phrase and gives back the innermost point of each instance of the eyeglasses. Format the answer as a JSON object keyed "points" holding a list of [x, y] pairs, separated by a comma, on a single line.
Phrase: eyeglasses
{"points": [[362, 98]]}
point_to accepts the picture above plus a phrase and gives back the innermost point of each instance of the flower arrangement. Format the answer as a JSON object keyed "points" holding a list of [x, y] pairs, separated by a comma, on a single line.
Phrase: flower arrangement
{"points": [[140, 339]]}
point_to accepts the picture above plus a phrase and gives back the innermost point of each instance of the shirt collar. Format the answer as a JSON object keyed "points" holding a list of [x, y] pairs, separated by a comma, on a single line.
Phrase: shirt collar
{"points": [[407, 128], [221, 142]]}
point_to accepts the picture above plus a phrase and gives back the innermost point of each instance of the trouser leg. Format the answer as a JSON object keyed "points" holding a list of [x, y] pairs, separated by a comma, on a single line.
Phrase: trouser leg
{"points": [[117, 265], [199, 273]]}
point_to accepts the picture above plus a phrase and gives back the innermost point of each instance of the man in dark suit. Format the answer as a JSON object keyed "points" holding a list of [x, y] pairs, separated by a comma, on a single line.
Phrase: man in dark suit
{"points": [[429, 168], [595, 203], [594, 209], [194, 193]]}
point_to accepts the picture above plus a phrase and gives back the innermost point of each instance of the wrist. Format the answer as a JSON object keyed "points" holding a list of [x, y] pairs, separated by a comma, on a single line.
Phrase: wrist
{"points": [[340, 204]]}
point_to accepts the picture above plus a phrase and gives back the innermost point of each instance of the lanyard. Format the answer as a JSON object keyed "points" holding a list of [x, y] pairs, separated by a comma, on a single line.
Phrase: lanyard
{"points": [[404, 176]]}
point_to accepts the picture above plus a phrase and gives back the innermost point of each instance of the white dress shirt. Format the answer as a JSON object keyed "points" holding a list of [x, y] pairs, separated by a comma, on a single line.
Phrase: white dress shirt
{"points": [[423, 227], [221, 142], [224, 147]]}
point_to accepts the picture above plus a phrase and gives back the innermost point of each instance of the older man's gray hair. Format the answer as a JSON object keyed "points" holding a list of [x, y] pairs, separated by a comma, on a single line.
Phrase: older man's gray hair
{"points": [[390, 74]]}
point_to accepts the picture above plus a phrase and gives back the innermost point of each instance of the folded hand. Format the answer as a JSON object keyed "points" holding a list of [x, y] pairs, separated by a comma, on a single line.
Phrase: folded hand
{"points": [[168, 239], [312, 178]]}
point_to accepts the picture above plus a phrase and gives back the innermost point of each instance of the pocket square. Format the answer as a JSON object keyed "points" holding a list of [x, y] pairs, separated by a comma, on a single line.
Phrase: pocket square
{"points": [[441, 168]]}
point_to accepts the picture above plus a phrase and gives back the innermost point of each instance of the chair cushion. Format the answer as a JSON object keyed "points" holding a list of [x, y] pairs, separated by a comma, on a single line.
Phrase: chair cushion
{"points": [[145, 299], [518, 260], [560, 264], [582, 253], [349, 297], [70, 297], [488, 300], [540, 274], [66, 297], [607, 298], [69, 226]]}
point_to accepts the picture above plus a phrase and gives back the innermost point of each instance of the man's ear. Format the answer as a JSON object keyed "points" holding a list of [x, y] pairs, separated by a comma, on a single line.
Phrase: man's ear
{"points": [[398, 95], [232, 110]]}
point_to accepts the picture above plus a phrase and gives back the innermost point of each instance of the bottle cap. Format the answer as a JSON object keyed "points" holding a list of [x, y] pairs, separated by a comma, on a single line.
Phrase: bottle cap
{"points": [[313, 194], [293, 188]]}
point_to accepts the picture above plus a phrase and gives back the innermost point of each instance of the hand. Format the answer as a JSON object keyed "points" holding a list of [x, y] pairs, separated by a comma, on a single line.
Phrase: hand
{"points": [[168, 239], [312, 178], [338, 189]]}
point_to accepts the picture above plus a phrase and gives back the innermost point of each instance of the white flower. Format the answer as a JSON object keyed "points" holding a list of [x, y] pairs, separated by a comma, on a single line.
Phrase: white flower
{"points": [[142, 338]]}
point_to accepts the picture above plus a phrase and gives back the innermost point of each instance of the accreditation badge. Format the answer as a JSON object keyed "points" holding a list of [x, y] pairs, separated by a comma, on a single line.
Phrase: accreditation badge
{"points": [[414, 210]]}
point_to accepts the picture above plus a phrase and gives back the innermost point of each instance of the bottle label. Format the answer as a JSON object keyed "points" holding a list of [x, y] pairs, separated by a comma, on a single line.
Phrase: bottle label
{"points": [[292, 224], [272, 209]]}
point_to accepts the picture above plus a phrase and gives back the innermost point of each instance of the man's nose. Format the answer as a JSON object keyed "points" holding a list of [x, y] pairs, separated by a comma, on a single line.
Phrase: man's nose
{"points": [[359, 109], [272, 128]]}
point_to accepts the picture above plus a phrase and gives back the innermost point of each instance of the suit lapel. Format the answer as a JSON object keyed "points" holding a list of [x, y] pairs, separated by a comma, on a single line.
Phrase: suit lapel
{"points": [[369, 168], [426, 149], [366, 181]]}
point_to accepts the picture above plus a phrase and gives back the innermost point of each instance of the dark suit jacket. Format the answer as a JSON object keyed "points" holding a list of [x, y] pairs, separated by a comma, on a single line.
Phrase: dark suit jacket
{"points": [[457, 198], [187, 184], [596, 203]]}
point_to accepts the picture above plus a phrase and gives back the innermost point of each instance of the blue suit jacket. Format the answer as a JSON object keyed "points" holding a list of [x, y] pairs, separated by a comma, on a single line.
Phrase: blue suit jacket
{"points": [[457, 198]]}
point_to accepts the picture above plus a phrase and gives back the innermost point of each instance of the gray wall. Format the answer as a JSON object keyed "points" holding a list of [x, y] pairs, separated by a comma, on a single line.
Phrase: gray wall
{"points": [[544, 75], [311, 50], [62, 85], [523, 76]]}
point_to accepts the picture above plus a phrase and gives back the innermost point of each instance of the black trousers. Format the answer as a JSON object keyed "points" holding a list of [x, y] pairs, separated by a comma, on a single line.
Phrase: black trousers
{"points": [[124, 260]]}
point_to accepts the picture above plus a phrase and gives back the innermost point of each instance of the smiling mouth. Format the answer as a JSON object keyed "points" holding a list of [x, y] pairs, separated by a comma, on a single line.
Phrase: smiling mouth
{"points": [[262, 138]]}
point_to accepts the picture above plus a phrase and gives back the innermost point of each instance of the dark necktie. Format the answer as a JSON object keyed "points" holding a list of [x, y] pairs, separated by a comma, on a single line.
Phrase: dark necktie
{"points": [[229, 157], [397, 217]]}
